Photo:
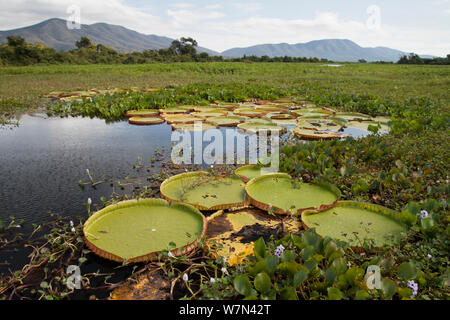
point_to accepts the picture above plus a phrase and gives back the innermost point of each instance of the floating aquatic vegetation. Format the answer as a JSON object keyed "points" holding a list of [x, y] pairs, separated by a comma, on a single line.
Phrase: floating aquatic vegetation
{"points": [[256, 128], [204, 191], [173, 110], [281, 194], [249, 172], [210, 114], [171, 119], [309, 134], [317, 124], [367, 125], [283, 116], [251, 113], [138, 230], [141, 113], [356, 222], [226, 121], [193, 127], [145, 120], [353, 116]]}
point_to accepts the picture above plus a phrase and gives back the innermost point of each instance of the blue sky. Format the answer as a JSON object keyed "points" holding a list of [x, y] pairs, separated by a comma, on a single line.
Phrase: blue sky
{"points": [[411, 26]]}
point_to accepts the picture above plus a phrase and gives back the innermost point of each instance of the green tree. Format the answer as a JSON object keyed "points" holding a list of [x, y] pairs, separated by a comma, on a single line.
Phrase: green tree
{"points": [[14, 41], [84, 42]]}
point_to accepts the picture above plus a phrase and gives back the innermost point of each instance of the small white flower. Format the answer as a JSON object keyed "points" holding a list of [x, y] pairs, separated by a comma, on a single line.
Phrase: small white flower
{"points": [[224, 270], [170, 254], [423, 214], [89, 201], [73, 230], [185, 277], [429, 256], [212, 280], [438, 181], [87, 171], [71, 223], [153, 230]]}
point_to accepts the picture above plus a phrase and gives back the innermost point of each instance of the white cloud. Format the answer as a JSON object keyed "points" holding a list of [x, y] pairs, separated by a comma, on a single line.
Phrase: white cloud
{"points": [[210, 26]]}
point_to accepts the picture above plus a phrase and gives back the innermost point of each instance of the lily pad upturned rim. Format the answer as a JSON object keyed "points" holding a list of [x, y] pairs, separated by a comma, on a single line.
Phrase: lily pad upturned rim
{"points": [[144, 121], [256, 128], [309, 134], [233, 121], [152, 255], [280, 211], [199, 207], [239, 170], [391, 214]]}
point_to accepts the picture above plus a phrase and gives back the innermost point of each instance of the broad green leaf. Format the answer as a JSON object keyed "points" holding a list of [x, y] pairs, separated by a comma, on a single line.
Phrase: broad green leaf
{"points": [[334, 294], [288, 256], [288, 293], [331, 274], [388, 288], [362, 295], [243, 285], [262, 282], [260, 248], [300, 277], [272, 263], [407, 271]]}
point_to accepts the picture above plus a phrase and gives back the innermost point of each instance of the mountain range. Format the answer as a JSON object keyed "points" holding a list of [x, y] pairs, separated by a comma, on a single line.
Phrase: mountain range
{"points": [[54, 33]]}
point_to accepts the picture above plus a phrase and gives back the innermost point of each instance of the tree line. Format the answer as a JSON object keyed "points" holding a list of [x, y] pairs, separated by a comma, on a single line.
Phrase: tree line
{"points": [[416, 59], [19, 52]]}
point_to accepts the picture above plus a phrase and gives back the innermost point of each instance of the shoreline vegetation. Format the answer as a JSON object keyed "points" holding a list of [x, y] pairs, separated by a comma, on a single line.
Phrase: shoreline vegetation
{"points": [[405, 170]]}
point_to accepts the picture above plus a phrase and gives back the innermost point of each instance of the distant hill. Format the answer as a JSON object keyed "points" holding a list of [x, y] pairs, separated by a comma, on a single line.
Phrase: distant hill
{"points": [[331, 49], [54, 33]]}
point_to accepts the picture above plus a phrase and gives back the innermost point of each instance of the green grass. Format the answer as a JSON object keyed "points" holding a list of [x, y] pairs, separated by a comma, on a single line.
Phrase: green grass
{"points": [[21, 88]]}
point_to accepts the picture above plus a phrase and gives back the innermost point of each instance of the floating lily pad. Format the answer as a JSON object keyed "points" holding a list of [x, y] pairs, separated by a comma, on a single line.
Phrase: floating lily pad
{"points": [[353, 116], [192, 126], [354, 222], [173, 110], [171, 119], [210, 114], [318, 124], [138, 230], [270, 108], [255, 128], [204, 191], [280, 193], [283, 116], [231, 235], [247, 112], [364, 125], [247, 173], [141, 113], [316, 135], [226, 121], [289, 122], [145, 120]]}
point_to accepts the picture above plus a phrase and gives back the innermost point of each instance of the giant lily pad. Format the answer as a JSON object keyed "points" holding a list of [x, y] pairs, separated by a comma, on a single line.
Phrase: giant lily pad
{"points": [[353, 116], [280, 193], [141, 113], [173, 110], [316, 135], [247, 173], [145, 120], [181, 119], [355, 222], [138, 230], [364, 125], [318, 124], [232, 234], [256, 128], [247, 112], [226, 121], [204, 191], [193, 127], [210, 114]]}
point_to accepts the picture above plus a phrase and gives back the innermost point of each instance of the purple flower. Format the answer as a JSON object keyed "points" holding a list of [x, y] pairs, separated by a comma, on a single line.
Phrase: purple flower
{"points": [[279, 251], [414, 288], [423, 214]]}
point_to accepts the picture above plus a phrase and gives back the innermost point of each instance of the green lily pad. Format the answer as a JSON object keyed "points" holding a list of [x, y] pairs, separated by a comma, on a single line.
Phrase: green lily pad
{"points": [[280, 193], [247, 173], [210, 114], [181, 119], [138, 230], [309, 134], [288, 122], [192, 127], [355, 221], [353, 116], [141, 113], [173, 110], [204, 191], [226, 121], [364, 125], [318, 124], [247, 112], [255, 128], [145, 120]]}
